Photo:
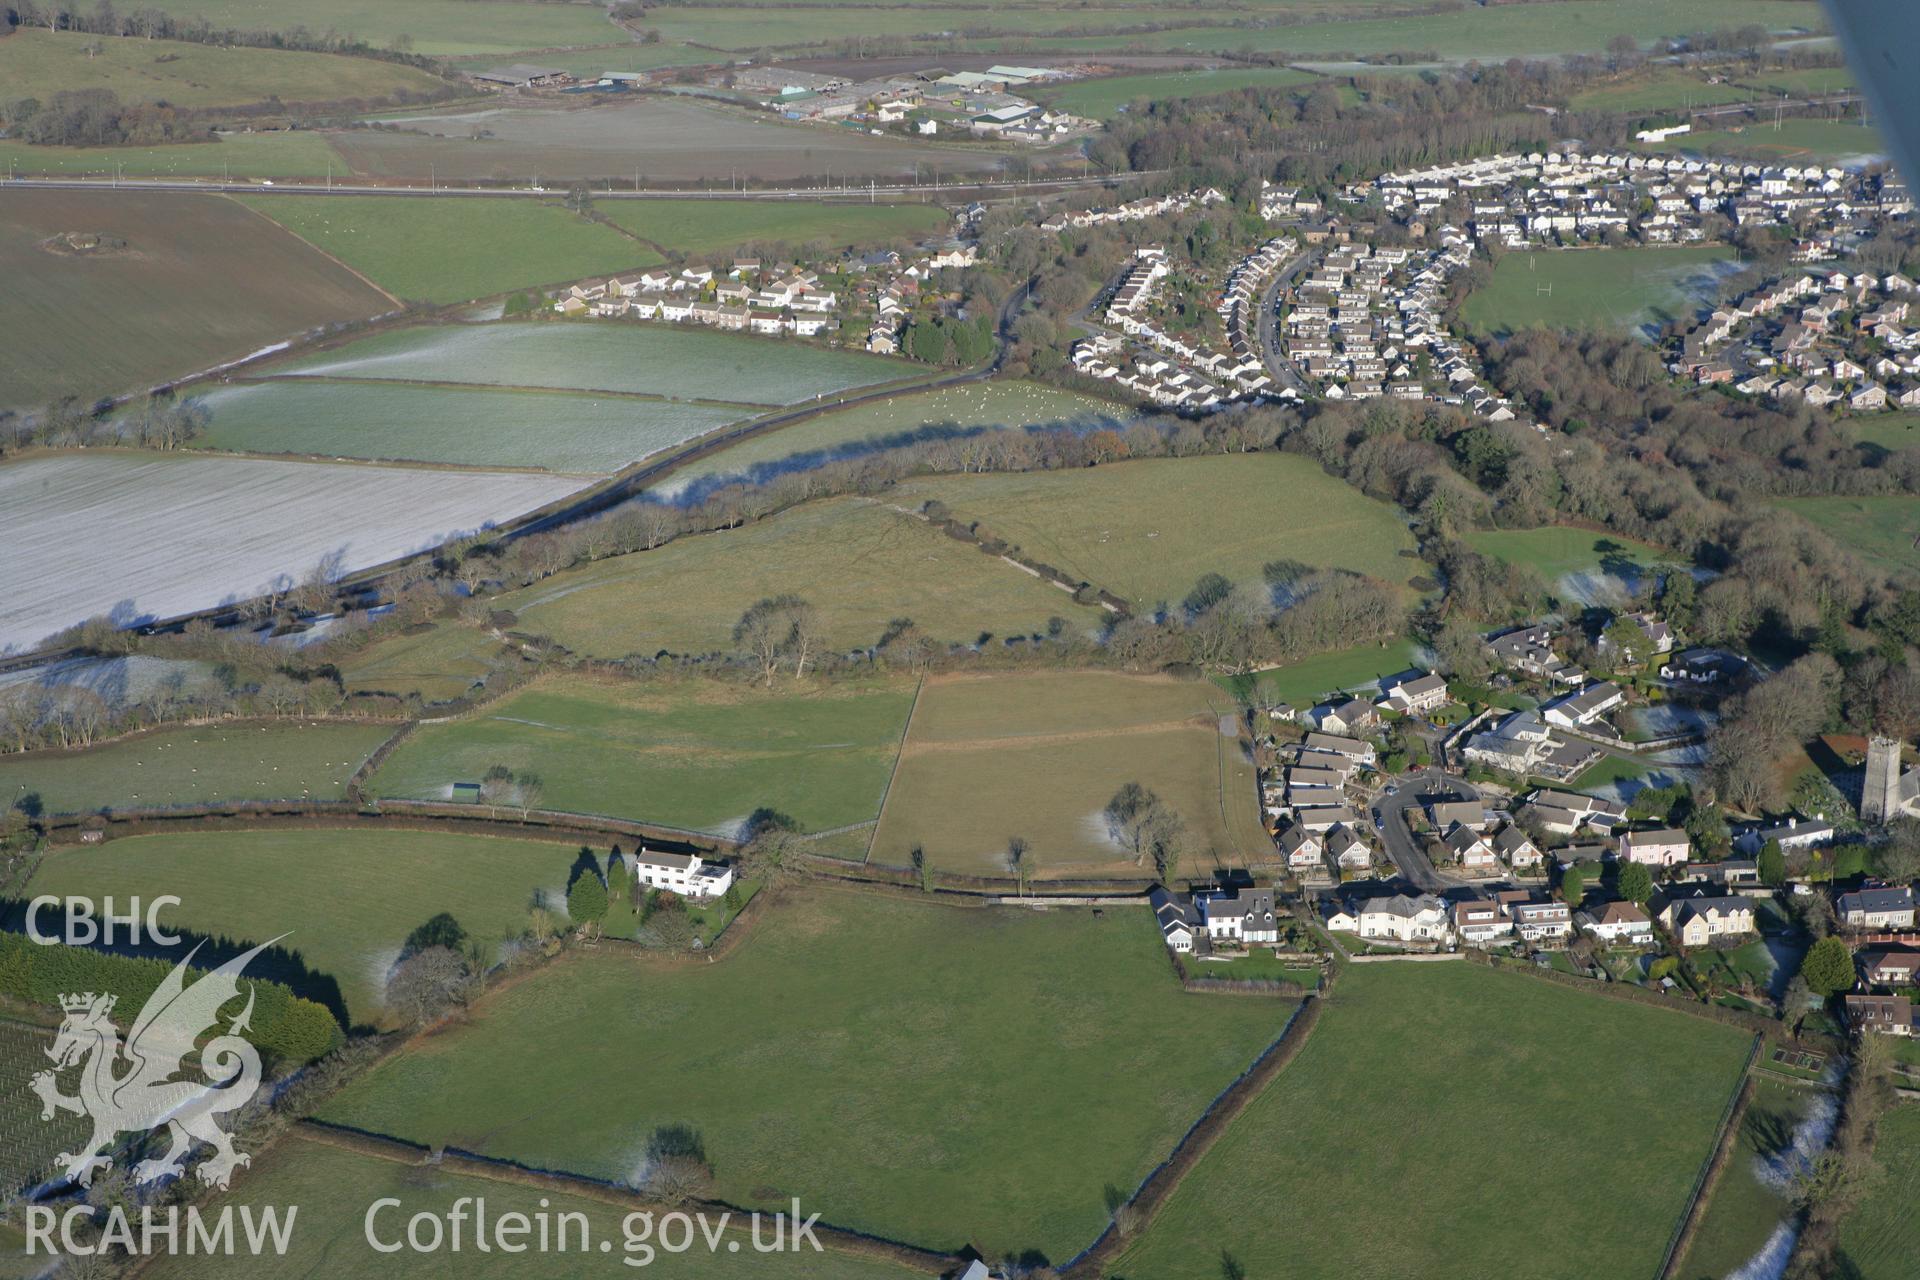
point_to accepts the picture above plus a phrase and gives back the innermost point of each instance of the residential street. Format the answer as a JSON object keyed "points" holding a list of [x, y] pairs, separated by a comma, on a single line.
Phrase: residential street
{"points": [[1402, 848]]}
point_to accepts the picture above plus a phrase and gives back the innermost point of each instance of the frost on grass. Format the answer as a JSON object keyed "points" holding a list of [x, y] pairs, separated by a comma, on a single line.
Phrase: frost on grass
{"points": [[136, 537]]}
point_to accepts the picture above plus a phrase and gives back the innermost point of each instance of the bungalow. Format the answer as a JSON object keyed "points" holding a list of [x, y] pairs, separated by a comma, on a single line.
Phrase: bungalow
{"points": [[1698, 920], [1877, 908], [1240, 915], [1618, 921], [684, 874], [1578, 710], [1403, 918], [1413, 695], [1321, 819], [1665, 847], [1792, 834], [1445, 814], [1881, 1015], [1178, 924], [1480, 922], [1541, 921], [1351, 748], [1889, 966]]}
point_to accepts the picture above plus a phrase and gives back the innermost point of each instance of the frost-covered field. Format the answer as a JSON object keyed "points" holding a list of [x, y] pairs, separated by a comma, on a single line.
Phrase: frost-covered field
{"points": [[138, 536]]}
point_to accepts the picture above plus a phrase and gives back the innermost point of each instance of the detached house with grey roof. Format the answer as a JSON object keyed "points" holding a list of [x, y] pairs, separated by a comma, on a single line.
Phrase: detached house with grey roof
{"points": [[1877, 908]]}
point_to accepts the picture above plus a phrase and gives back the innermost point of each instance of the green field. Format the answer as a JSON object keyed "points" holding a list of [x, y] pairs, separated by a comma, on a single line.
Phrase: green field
{"points": [[235, 155], [704, 227], [1889, 432], [1808, 80], [1881, 1237], [433, 27], [454, 249], [334, 1189], [1553, 551], [439, 662], [184, 74], [640, 359], [1605, 1111], [1659, 89], [860, 564], [1748, 1205], [1489, 33], [924, 1072], [469, 426], [1593, 288], [211, 764], [1794, 142], [1051, 749], [954, 413], [1883, 531], [347, 897], [1302, 684], [1148, 530], [1109, 95], [697, 754], [200, 280]]}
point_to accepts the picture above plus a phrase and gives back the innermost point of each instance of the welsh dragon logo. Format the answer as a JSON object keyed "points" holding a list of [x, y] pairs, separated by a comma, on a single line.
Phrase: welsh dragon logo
{"points": [[127, 1088]]}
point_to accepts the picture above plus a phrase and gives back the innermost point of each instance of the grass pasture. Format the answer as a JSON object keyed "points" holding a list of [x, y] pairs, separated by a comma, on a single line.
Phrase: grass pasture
{"points": [[1580, 564], [1490, 33], [1593, 288], [1752, 1198], [1886, 432], [859, 563], [702, 227], [1882, 530], [1051, 749], [1067, 1064], [36, 64], [439, 662], [201, 280], [1608, 1110], [174, 533], [1794, 142], [1806, 80], [1109, 95], [947, 412], [1148, 530], [699, 755], [283, 154], [433, 27], [667, 138], [1879, 1239], [348, 898], [334, 1187], [1302, 684], [1657, 89], [639, 359], [208, 764], [554, 431], [450, 250]]}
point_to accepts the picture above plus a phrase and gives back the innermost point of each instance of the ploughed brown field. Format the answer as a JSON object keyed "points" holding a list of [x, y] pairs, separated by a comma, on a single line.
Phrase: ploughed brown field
{"points": [[148, 286]]}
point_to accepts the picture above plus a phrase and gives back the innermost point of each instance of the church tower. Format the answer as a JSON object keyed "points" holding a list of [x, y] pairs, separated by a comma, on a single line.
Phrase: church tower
{"points": [[1880, 794]]}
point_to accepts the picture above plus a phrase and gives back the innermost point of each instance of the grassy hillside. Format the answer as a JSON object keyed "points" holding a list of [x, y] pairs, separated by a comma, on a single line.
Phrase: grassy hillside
{"points": [[212, 764], [699, 754], [35, 64], [454, 249], [860, 564], [1605, 1112], [702, 227], [928, 1073], [1051, 749], [1147, 530]]}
